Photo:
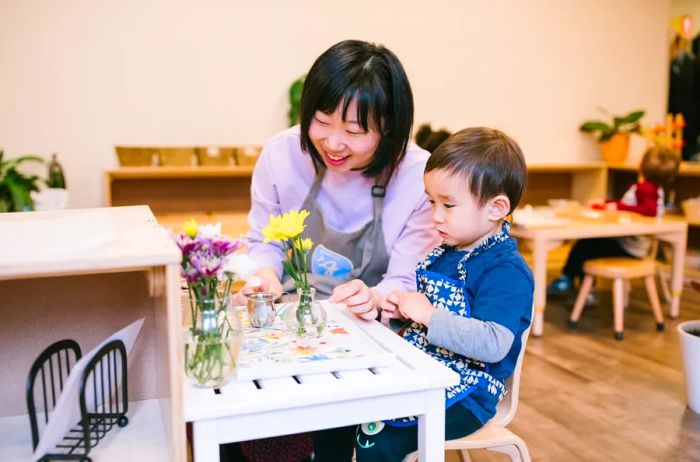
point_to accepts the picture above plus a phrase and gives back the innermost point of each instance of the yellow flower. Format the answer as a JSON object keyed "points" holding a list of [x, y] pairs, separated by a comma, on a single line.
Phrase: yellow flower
{"points": [[273, 230], [190, 227], [285, 227], [293, 223], [305, 244]]}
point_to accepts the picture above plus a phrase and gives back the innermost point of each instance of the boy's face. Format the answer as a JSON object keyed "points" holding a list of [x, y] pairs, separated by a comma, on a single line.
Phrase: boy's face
{"points": [[457, 215]]}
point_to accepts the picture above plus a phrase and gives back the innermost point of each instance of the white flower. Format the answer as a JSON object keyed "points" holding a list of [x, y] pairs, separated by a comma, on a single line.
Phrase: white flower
{"points": [[239, 266], [209, 231]]}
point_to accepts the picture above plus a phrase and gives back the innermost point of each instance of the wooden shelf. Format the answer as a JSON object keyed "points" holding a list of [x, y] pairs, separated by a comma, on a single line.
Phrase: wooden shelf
{"points": [[686, 168], [232, 171], [84, 274], [582, 182], [180, 189]]}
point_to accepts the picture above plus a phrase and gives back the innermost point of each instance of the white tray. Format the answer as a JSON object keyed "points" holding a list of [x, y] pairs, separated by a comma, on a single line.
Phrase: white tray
{"points": [[277, 352]]}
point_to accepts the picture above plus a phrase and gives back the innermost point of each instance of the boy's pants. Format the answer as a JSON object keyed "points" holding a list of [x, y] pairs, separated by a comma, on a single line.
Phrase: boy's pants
{"points": [[388, 444]]}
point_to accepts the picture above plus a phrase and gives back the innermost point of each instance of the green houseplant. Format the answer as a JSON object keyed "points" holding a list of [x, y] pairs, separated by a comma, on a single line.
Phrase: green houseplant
{"points": [[15, 186], [614, 135], [295, 90]]}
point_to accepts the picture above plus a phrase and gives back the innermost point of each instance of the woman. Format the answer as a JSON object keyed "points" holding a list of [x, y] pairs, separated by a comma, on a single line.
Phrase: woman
{"points": [[349, 163]]}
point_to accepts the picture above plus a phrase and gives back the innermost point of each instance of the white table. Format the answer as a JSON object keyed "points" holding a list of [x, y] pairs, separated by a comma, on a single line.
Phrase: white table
{"points": [[244, 410]]}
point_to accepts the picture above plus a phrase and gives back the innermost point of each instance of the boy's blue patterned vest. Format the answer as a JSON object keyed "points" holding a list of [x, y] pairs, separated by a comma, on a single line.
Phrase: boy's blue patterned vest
{"points": [[450, 294]]}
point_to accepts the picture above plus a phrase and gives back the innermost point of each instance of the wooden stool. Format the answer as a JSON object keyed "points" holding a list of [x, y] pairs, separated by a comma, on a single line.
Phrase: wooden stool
{"points": [[621, 270]]}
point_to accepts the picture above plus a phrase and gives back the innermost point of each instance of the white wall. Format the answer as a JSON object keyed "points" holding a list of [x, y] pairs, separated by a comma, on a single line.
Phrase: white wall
{"points": [[78, 76]]}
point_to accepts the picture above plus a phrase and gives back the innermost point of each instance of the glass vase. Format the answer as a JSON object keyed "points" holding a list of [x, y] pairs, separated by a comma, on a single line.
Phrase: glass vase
{"points": [[213, 342], [306, 317]]}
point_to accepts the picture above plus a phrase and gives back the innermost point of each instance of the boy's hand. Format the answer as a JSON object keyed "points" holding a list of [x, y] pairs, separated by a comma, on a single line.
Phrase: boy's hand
{"points": [[390, 306], [416, 306]]}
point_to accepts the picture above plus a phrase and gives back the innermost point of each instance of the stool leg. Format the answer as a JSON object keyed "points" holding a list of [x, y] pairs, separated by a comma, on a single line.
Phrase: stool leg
{"points": [[654, 300], [580, 301], [618, 306], [665, 289]]}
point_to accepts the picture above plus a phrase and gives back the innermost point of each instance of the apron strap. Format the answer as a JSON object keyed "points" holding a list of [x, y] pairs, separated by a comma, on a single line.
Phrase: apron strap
{"points": [[378, 193]]}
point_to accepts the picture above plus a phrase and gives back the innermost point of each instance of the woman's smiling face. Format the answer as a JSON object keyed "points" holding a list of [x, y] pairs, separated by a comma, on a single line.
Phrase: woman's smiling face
{"points": [[343, 144]]}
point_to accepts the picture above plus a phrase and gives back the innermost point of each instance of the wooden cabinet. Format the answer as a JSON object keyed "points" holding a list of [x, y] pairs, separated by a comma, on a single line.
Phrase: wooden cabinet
{"points": [[84, 274], [581, 182], [206, 193]]}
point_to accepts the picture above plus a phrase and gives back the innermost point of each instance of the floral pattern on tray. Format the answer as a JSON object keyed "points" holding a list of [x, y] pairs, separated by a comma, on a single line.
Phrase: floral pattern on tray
{"points": [[278, 352]]}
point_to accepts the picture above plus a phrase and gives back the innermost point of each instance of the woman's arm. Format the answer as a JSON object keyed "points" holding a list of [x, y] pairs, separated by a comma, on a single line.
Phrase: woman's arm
{"points": [[416, 239], [264, 202]]}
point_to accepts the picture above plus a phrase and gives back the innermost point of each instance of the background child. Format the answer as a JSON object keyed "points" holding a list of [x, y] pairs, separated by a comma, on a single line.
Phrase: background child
{"points": [[658, 170], [474, 296]]}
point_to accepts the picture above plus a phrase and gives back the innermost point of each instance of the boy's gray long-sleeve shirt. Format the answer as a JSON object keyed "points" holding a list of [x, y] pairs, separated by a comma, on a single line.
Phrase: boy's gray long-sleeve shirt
{"points": [[466, 336]]}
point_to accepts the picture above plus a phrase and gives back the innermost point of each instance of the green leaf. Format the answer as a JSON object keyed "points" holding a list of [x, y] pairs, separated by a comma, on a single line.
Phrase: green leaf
{"points": [[20, 195], [18, 160], [594, 126], [631, 117]]}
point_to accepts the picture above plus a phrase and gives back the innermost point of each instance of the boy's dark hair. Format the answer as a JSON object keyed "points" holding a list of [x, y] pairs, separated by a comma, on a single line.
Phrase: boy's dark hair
{"points": [[660, 165], [375, 77], [429, 140], [488, 159]]}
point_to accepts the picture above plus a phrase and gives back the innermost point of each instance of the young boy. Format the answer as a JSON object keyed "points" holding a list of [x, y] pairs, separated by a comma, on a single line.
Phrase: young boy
{"points": [[474, 296], [658, 170]]}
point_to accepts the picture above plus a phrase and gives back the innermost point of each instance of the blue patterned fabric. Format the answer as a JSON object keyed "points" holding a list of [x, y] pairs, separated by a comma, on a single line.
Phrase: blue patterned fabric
{"points": [[449, 294]]}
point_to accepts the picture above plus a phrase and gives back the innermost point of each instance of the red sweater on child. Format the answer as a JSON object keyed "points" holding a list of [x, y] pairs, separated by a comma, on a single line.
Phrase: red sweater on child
{"points": [[645, 198]]}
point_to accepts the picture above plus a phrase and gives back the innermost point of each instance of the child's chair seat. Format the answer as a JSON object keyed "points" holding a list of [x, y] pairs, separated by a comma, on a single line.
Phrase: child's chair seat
{"points": [[621, 270]]}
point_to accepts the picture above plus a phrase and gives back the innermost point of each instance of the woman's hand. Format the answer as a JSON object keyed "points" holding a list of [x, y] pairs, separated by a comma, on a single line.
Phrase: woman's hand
{"points": [[360, 299], [267, 281]]}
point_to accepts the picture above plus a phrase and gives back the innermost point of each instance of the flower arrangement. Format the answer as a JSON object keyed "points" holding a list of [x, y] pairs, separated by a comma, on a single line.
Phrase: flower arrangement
{"points": [[287, 229], [308, 318], [210, 266]]}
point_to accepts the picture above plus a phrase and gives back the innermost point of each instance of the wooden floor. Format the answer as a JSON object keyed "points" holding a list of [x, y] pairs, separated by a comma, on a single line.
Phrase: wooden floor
{"points": [[586, 397]]}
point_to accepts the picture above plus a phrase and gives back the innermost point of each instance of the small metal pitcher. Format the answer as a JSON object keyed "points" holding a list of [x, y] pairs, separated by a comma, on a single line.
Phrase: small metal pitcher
{"points": [[261, 308]]}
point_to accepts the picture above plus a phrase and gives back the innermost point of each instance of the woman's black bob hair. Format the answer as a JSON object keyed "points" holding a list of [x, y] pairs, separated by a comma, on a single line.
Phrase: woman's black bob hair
{"points": [[372, 75]]}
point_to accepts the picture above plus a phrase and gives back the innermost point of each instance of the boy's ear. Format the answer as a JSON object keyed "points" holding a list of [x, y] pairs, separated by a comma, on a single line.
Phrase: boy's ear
{"points": [[499, 207]]}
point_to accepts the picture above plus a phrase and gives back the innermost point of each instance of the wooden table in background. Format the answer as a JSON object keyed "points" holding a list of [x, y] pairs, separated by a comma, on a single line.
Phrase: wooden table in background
{"points": [[542, 239]]}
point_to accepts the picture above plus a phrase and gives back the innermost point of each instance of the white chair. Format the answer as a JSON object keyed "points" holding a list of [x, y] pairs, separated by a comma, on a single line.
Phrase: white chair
{"points": [[494, 436]]}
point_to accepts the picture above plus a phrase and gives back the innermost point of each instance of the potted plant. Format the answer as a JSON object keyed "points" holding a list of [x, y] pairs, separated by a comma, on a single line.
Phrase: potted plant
{"points": [[689, 336], [15, 186], [614, 136]]}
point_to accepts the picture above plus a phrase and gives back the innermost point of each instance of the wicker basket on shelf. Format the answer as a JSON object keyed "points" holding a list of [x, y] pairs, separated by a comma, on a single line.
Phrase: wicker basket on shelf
{"points": [[247, 155], [215, 155], [176, 157], [134, 157]]}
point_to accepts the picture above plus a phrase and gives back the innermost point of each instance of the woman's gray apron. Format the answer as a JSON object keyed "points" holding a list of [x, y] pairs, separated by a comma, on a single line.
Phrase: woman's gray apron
{"points": [[337, 257]]}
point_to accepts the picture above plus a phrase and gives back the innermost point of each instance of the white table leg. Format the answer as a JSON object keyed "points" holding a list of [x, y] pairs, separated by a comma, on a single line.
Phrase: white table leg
{"points": [[206, 446], [679, 243], [431, 428], [539, 270]]}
